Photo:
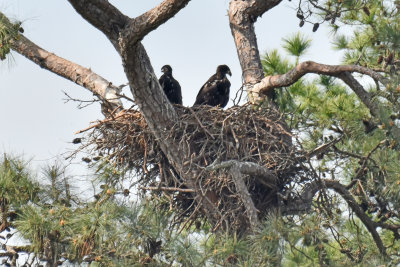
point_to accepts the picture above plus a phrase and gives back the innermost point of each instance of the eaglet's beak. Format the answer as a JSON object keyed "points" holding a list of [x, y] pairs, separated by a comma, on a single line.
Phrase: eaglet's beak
{"points": [[229, 72]]}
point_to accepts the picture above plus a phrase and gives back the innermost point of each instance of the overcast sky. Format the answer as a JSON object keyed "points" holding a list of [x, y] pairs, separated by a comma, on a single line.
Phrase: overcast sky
{"points": [[36, 122]]}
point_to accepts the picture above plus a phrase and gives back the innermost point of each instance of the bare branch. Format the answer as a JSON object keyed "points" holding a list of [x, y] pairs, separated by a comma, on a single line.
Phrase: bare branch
{"points": [[322, 148], [271, 82], [82, 76], [149, 21]]}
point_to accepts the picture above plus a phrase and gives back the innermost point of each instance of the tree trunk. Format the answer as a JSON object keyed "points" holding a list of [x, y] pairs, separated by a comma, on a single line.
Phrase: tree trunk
{"points": [[242, 16]]}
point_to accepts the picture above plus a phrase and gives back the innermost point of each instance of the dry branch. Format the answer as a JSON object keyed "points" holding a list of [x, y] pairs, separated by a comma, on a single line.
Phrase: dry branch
{"points": [[100, 87]]}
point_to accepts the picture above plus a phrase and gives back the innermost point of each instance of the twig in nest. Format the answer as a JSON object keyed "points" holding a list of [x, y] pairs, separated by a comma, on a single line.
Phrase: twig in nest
{"points": [[201, 125], [240, 96], [162, 188], [145, 159], [190, 218], [235, 137], [126, 97], [121, 113]]}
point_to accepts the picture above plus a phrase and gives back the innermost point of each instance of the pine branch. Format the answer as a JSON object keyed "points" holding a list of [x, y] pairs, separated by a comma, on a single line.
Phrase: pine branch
{"points": [[303, 203], [341, 71]]}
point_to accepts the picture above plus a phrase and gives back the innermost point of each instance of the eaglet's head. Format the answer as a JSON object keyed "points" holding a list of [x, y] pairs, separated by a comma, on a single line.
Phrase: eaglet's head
{"points": [[166, 69], [223, 70]]}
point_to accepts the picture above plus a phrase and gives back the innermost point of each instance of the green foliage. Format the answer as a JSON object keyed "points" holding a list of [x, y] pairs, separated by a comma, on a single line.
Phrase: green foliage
{"points": [[273, 63], [115, 229], [16, 183], [321, 109], [8, 33], [296, 45]]}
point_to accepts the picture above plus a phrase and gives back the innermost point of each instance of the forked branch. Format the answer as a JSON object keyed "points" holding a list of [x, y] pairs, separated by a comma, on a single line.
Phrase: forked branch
{"points": [[102, 15], [150, 20], [259, 7]]}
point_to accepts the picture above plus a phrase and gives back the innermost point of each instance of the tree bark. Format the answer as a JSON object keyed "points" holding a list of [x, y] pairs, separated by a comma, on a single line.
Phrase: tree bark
{"points": [[242, 16], [237, 170]]}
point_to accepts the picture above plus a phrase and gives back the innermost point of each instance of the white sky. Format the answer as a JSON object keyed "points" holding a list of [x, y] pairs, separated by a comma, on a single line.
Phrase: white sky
{"points": [[34, 120]]}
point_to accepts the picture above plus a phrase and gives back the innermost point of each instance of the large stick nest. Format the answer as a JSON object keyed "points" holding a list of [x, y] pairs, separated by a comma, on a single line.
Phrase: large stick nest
{"points": [[208, 135]]}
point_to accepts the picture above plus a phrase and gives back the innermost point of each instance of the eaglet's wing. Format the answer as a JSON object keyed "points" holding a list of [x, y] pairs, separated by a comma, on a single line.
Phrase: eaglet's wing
{"points": [[207, 93]]}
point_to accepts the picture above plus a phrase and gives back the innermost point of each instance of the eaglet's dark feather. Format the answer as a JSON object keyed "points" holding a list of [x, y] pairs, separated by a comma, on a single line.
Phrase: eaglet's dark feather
{"points": [[171, 87], [215, 92]]}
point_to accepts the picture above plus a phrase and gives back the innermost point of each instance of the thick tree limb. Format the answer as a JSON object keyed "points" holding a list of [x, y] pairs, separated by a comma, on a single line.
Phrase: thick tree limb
{"points": [[259, 7], [306, 197], [242, 15], [103, 16], [289, 78], [241, 188], [160, 115], [262, 174], [359, 90], [238, 169], [341, 71], [149, 21], [82, 76]]}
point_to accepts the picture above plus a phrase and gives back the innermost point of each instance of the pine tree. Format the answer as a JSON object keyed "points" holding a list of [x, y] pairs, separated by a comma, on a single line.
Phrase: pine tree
{"points": [[339, 207]]}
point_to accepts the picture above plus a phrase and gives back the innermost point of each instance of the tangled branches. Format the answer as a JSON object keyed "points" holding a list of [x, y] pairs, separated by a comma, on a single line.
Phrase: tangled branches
{"points": [[207, 136]]}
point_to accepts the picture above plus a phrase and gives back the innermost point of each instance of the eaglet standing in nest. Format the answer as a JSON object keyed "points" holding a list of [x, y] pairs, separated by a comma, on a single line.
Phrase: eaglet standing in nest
{"points": [[215, 92], [171, 87]]}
